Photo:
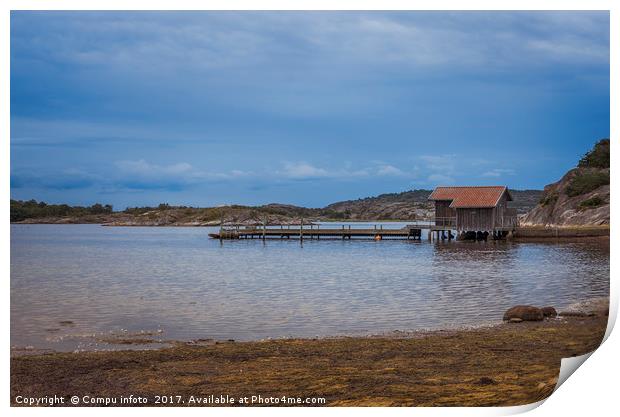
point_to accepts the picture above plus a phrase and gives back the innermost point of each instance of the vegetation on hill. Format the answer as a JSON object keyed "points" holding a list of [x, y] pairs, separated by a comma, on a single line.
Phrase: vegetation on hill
{"points": [[585, 181], [598, 157], [31, 209], [595, 201], [412, 202], [592, 172], [408, 205], [580, 197]]}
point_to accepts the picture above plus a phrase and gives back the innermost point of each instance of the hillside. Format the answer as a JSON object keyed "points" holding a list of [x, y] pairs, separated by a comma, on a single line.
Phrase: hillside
{"points": [[163, 215], [580, 197], [414, 204], [407, 205]]}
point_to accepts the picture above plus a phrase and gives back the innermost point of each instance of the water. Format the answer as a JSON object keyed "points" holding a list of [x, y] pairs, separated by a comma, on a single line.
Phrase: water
{"points": [[181, 285]]}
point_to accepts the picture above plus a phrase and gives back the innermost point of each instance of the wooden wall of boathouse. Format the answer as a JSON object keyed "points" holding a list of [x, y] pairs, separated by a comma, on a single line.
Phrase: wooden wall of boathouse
{"points": [[475, 219], [443, 212], [499, 211]]}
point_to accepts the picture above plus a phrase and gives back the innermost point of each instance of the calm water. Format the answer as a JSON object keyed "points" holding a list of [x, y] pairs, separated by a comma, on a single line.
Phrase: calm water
{"points": [[186, 286]]}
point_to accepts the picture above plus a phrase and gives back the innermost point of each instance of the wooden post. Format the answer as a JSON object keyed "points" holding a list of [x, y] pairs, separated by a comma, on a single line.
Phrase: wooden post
{"points": [[221, 225], [264, 227], [301, 229]]}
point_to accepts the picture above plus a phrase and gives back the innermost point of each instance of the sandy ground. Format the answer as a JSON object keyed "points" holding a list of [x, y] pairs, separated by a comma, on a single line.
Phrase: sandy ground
{"points": [[509, 364]]}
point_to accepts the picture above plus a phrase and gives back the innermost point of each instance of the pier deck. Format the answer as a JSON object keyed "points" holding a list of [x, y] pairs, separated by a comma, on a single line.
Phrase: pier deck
{"points": [[413, 231]]}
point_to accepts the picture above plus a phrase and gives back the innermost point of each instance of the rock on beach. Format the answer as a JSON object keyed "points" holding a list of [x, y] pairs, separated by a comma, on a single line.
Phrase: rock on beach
{"points": [[525, 313]]}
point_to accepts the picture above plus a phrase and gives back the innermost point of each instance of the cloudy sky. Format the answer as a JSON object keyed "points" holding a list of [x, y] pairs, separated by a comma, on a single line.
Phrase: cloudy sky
{"points": [[306, 108]]}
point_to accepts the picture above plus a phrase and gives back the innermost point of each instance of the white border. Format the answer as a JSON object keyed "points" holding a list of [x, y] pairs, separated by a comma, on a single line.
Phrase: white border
{"points": [[593, 391]]}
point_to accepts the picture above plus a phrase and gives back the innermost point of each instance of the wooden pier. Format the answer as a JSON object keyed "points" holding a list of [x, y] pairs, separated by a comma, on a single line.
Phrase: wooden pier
{"points": [[474, 213], [314, 231]]}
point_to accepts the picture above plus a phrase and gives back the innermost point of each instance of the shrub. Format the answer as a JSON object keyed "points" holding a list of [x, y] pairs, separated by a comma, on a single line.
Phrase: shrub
{"points": [[598, 157], [548, 199], [593, 202], [586, 181]]}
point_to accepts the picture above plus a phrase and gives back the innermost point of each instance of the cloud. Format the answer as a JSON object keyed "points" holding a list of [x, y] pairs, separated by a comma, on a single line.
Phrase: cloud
{"points": [[140, 174], [447, 168], [303, 170], [129, 175], [307, 171], [444, 163], [499, 172], [207, 41], [440, 179], [145, 169], [143, 175], [390, 170], [31, 132], [66, 179], [222, 98]]}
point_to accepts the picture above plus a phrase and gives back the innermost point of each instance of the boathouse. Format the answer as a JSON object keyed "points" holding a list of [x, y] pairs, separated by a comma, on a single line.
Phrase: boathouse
{"points": [[481, 209]]}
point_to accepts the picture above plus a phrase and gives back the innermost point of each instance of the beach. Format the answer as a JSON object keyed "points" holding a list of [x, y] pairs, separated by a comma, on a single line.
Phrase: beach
{"points": [[504, 365]]}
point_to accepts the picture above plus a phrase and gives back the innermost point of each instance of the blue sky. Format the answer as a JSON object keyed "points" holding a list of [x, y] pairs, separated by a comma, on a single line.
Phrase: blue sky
{"points": [[308, 108]]}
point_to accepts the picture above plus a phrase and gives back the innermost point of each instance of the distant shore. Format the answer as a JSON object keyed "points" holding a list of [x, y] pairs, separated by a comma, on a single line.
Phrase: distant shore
{"points": [[507, 364], [559, 232], [522, 233]]}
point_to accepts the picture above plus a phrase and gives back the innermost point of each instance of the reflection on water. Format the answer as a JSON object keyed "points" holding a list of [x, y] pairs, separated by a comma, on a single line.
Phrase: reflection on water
{"points": [[178, 283]]}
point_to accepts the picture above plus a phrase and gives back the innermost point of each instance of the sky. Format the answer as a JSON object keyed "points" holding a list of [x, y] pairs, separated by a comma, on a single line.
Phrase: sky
{"points": [[305, 108]]}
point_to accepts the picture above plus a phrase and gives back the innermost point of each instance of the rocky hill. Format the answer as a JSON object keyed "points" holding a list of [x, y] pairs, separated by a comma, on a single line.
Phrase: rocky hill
{"points": [[580, 198], [408, 205], [414, 204], [164, 215]]}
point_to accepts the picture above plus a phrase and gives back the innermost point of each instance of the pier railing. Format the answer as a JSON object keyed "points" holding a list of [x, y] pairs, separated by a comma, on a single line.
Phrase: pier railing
{"points": [[509, 221], [448, 222]]}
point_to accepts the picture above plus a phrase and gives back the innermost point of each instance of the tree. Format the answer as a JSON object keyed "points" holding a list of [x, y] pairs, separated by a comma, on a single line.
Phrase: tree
{"points": [[598, 157]]}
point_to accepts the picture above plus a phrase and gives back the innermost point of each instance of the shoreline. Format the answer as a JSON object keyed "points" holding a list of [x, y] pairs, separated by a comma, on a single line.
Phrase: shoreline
{"points": [[113, 341], [503, 364], [143, 340], [562, 232], [521, 234]]}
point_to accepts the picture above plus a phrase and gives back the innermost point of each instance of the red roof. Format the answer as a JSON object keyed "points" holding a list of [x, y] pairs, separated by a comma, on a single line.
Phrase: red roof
{"points": [[470, 197]]}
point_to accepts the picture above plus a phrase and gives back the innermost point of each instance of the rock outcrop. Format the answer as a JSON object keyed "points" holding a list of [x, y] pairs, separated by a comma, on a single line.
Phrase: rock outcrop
{"points": [[580, 198]]}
